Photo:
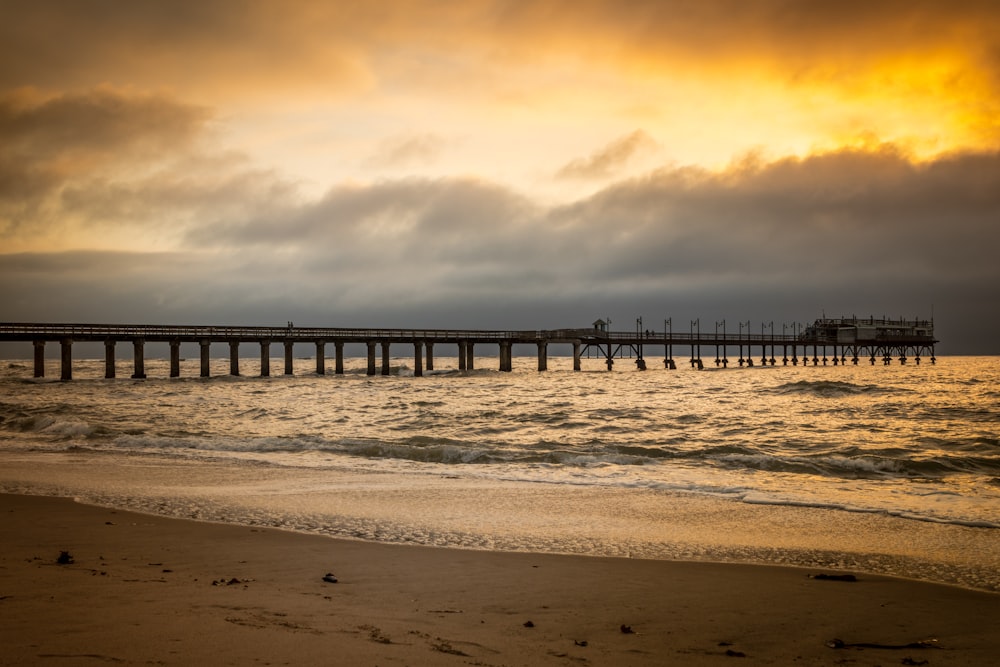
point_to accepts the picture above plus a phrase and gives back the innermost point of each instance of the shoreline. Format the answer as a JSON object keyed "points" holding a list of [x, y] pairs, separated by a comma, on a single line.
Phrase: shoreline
{"points": [[145, 587], [422, 509]]}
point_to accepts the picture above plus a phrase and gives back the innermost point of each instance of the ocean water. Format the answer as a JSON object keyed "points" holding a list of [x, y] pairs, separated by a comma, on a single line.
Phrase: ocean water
{"points": [[886, 469]]}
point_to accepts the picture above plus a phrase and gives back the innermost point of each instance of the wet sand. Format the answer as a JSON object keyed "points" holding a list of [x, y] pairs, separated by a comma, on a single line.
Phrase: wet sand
{"points": [[152, 590]]}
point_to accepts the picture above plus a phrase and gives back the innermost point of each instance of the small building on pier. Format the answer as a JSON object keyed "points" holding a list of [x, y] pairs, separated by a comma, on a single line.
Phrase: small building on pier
{"points": [[883, 337]]}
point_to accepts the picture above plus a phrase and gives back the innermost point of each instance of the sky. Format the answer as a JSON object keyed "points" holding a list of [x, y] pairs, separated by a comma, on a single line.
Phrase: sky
{"points": [[501, 164]]}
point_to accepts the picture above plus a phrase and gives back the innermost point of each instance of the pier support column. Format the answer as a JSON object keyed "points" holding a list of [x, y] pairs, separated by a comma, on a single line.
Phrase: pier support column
{"points": [[206, 358], [418, 360], [66, 359], [265, 358], [385, 357], [505, 356], [109, 359], [430, 355], [338, 347], [543, 357], [234, 357], [39, 358], [371, 358], [320, 357], [576, 355], [138, 361], [289, 358], [175, 358], [461, 355], [470, 356]]}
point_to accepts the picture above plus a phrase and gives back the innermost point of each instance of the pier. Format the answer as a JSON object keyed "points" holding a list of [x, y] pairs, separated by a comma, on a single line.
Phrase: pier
{"points": [[829, 340]]}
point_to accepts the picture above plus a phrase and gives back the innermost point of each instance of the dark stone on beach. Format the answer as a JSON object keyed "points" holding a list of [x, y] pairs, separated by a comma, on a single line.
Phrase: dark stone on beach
{"points": [[529, 624], [735, 654], [64, 558], [329, 578], [580, 643], [232, 582], [627, 630], [835, 577]]}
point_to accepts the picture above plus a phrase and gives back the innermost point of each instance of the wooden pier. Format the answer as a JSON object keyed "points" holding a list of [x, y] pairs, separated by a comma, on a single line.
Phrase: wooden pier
{"points": [[882, 339]]}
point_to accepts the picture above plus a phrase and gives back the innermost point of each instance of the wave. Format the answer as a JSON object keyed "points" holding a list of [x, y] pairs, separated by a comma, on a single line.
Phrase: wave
{"points": [[832, 388]]}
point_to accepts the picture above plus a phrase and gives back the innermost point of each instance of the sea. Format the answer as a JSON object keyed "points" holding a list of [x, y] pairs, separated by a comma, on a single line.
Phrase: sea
{"points": [[874, 469]]}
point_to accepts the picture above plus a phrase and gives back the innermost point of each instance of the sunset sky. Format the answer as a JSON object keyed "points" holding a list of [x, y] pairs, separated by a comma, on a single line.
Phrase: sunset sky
{"points": [[501, 164]]}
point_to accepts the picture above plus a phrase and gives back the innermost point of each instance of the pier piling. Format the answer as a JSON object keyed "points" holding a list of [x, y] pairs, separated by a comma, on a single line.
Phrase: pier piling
{"points": [[109, 359], [234, 357], [320, 357], [39, 346], [265, 358], [205, 346], [289, 358], [175, 358], [66, 358], [139, 361]]}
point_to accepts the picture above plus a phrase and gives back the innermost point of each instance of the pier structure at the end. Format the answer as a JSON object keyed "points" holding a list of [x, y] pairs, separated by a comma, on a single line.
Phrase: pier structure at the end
{"points": [[883, 339]]}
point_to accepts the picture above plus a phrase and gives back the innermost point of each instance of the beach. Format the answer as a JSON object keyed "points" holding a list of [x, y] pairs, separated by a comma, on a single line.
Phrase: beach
{"points": [[154, 590]]}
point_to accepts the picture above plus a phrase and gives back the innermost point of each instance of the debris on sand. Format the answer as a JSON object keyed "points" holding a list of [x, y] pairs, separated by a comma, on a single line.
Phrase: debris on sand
{"points": [[923, 643], [329, 578], [834, 577], [230, 582], [64, 558]]}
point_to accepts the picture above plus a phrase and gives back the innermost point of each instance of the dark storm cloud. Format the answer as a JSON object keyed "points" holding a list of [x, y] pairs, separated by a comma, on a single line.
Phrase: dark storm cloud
{"points": [[837, 216]]}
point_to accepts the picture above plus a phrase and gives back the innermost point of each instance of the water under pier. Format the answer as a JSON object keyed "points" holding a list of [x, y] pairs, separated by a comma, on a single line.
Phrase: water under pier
{"points": [[843, 339]]}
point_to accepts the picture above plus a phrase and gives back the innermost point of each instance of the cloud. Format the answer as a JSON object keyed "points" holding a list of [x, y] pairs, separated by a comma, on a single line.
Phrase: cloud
{"points": [[407, 150], [847, 231], [606, 161], [846, 218], [211, 47], [296, 44], [109, 169]]}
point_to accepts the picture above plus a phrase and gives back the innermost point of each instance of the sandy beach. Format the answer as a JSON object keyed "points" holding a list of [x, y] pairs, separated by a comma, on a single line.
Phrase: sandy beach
{"points": [[152, 590]]}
